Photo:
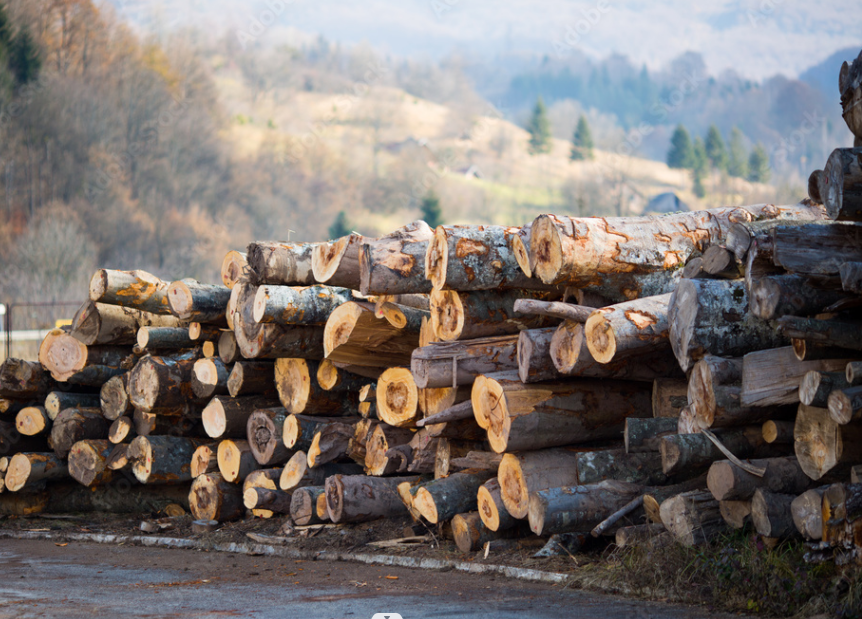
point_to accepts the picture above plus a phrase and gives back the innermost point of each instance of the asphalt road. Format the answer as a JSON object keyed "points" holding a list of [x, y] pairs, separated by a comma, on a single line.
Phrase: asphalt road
{"points": [[41, 579]]}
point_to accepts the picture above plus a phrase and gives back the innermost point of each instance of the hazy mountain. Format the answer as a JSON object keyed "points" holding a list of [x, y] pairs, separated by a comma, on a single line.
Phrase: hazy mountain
{"points": [[824, 75]]}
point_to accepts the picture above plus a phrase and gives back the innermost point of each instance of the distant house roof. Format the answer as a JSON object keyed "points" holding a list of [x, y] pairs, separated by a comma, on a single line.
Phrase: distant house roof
{"points": [[665, 203]]}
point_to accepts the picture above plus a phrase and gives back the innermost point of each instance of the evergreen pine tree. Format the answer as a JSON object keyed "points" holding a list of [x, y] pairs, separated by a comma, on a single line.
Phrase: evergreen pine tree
{"points": [[340, 227], [430, 209], [700, 167], [24, 59], [715, 149], [582, 141], [680, 154], [539, 129], [737, 165], [758, 165]]}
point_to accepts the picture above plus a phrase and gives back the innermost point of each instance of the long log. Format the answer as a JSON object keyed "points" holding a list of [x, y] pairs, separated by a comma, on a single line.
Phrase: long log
{"points": [[440, 499], [88, 462], [233, 266], [262, 495], [711, 317], [806, 510], [298, 430], [193, 301], [358, 498], [693, 518], [297, 473], [163, 339], [117, 497], [210, 378], [471, 534], [491, 508], [554, 309], [282, 264], [693, 451], [362, 433], [445, 364], [780, 432], [303, 505], [337, 263], [771, 514], [213, 498], [468, 315], [843, 195], [790, 295], [354, 335], [136, 289], [654, 496], [817, 249], [235, 460], [300, 392], [577, 508], [728, 482], [65, 357], [395, 263], [286, 305], [822, 332], [163, 382], [821, 444], [524, 417], [627, 329], [57, 401], [162, 459], [99, 323], [640, 433], [168, 422], [772, 377], [264, 430], [32, 470], [76, 424]]}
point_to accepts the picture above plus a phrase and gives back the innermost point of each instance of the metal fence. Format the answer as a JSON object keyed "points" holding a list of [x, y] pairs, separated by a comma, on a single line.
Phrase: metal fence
{"points": [[24, 325]]}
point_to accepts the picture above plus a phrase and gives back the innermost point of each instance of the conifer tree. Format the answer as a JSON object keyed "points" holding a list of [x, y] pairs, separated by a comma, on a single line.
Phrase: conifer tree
{"points": [[430, 209], [582, 141], [539, 129], [680, 155]]}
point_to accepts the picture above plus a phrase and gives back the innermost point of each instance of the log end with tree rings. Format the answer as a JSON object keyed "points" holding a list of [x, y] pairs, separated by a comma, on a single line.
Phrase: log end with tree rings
{"points": [[32, 421], [817, 441], [489, 404], [424, 503], [447, 314], [567, 345], [18, 472], [481, 406], [293, 380], [214, 418], [522, 254], [340, 325], [118, 459], [513, 487], [397, 397], [326, 257], [88, 462], [98, 284], [258, 312], [181, 299], [600, 337], [437, 259], [488, 510], [140, 453], [204, 460], [212, 499], [293, 471], [546, 252], [840, 407], [328, 375], [122, 430], [231, 459], [62, 355]]}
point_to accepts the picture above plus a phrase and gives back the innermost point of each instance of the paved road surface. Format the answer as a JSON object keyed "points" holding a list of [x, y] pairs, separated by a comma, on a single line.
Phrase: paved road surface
{"points": [[41, 580]]}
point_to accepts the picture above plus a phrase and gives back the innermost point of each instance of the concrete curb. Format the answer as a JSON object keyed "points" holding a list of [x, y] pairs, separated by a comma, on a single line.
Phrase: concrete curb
{"points": [[293, 553]]}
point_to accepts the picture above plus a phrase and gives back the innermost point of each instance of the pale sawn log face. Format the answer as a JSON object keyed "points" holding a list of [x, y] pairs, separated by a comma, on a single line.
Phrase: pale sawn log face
{"points": [[396, 263]]}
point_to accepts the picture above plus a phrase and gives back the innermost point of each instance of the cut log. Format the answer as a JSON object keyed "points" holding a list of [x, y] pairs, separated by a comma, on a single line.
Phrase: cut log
{"points": [[228, 350], [440, 499], [779, 432], [210, 378], [571, 356], [297, 473], [300, 392], [459, 412], [790, 295], [711, 317], [654, 496], [693, 518], [303, 505], [470, 258], [162, 459], [204, 460], [122, 430], [384, 438], [771, 514], [841, 514], [136, 289], [468, 315], [640, 433], [693, 451], [521, 249], [628, 329], [118, 497], [821, 444], [164, 338], [252, 378], [361, 435], [687, 423], [31, 470], [534, 354], [728, 482], [816, 386], [626, 537], [354, 335], [32, 421], [844, 405], [118, 458], [843, 172], [285, 305], [772, 377], [816, 249], [233, 266], [163, 382], [358, 498], [823, 332], [64, 356], [577, 508], [282, 264], [235, 460], [203, 333], [524, 417], [213, 498], [471, 534], [553, 309], [262, 496], [719, 261], [88, 462], [169, 422], [57, 401], [397, 398], [264, 430], [669, 396], [228, 417], [331, 443], [193, 301], [77, 424], [395, 263], [337, 263], [446, 364], [100, 324], [298, 430], [807, 513], [693, 269], [11, 441], [737, 514], [491, 508]]}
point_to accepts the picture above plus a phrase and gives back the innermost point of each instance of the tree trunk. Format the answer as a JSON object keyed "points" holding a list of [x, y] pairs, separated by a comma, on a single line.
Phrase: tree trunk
{"points": [[845, 405], [806, 510], [554, 309], [534, 354], [821, 444], [228, 417], [265, 429], [303, 505], [711, 317], [448, 364], [311, 305], [816, 386], [395, 263], [162, 459], [282, 264], [164, 338], [331, 442], [273, 501], [737, 514], [210, 378], [669, 396], [693, 451], [470, 258], [65, 357], [778, 432], [571, 356], [228, 349], [77, 424], [816, 249], [440, 499], [337, 263], [252, 378], [235, 460], [771, 514], [57, 401], [88, 462], [823, 332], [772, 377], [298, 474], [491, 508], [32, 421], [640, 433], [693, 518], [843, 195], [468, 315], [577, 508], [354, 335], [790, 295], [31, 470], [233, 266], [358, 498], [134, 289], [728, 482], [628, 329], [163, 383], [522, 417], [100, 324], [300, 392], [122, 430], [384, 438], [213, 498]]}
